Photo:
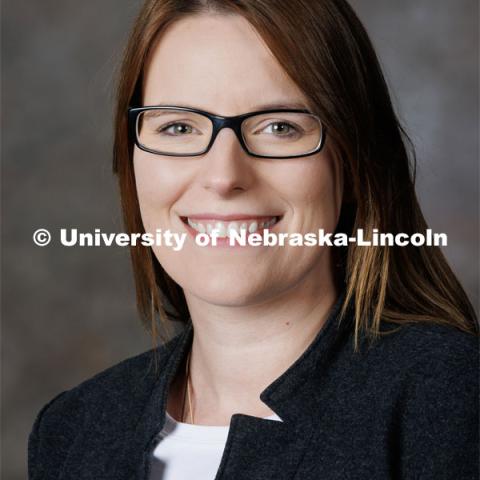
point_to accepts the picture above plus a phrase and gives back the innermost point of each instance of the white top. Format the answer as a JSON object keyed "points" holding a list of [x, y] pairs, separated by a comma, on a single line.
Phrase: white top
{"points": [[187, 451]]}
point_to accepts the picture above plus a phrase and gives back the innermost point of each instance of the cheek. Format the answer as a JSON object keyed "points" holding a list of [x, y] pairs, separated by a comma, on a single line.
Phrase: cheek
{"points": [[159, 184], [313, 189]]}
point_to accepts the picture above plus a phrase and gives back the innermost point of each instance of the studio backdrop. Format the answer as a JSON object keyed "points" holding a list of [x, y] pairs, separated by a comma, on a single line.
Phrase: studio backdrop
{"points": [[69, 312]]}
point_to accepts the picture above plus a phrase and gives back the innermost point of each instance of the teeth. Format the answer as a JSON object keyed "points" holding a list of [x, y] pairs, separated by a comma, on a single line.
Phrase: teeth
{"points": [[224, 229], [253, 227], [270, 222], [221, 229]]}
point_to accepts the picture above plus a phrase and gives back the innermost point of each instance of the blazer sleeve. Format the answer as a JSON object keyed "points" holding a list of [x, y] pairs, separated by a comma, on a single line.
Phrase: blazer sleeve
{"points": [[52, 435], [440, 422]]}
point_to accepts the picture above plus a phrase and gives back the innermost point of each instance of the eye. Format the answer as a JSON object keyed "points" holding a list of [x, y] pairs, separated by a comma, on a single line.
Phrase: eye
{"points": [[281, 129], [176, 129]]}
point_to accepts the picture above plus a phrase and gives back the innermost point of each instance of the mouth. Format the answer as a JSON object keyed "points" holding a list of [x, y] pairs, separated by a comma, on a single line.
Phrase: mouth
{"points": [[224, 228]]}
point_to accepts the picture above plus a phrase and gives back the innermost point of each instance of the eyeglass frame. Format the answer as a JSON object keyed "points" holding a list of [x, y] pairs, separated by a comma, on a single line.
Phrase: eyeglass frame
{"points": [[218, 123]]}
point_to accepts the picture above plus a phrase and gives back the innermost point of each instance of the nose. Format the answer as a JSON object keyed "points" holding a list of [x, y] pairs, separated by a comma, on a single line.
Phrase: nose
{"points": [[226, 168]]}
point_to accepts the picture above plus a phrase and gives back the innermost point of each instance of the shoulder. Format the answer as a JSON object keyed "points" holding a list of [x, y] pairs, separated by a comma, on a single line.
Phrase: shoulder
{"points": [[439, 363], [119, 388], [431, 376], [441, 367], [130, 377], [427, 372], [425, 346], [415, 364]]}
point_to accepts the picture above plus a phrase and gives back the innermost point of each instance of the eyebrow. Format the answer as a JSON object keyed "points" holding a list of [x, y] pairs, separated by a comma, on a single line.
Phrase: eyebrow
{"points": [[264, 106], [280, 105]]}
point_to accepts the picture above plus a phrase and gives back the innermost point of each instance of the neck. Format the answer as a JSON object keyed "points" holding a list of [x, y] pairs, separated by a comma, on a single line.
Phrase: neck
{"points": [[238, 351]]}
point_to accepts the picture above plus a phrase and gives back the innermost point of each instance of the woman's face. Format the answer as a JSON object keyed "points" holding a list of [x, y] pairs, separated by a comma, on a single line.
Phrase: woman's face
{"points": [[220, 64]]}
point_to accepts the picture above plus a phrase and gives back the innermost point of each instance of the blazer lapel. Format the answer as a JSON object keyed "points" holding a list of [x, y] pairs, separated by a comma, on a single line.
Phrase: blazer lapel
{"points": [[261, 448]]}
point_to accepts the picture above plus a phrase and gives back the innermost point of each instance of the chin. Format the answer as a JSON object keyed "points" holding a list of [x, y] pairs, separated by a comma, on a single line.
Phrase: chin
{"points": [[228, 293]]}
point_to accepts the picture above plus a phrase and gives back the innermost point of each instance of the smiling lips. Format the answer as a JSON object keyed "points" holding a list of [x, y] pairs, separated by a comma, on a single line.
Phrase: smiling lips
{"points": [[228, 223]]}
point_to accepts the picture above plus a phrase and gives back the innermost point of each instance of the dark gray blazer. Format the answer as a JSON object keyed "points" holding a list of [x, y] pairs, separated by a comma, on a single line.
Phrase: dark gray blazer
{"points": [[405, 408]]}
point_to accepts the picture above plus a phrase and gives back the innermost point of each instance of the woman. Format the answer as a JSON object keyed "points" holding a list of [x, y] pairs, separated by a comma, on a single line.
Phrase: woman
{"points": [[295, 362]]}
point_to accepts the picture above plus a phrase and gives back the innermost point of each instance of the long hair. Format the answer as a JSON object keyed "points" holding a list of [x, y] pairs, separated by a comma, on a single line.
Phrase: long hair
{"points": [[326, 51]]}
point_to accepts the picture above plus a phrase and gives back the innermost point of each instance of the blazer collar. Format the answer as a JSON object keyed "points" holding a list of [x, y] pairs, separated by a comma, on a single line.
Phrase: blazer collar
{"points": [[291, 396]]}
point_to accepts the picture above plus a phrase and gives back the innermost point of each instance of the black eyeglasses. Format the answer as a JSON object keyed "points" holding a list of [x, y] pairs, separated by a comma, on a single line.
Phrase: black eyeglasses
{"points": [[184, 131]]}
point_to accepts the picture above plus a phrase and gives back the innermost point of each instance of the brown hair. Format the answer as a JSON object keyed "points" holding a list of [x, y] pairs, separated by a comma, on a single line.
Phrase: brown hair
{"points": [[325, 50]]}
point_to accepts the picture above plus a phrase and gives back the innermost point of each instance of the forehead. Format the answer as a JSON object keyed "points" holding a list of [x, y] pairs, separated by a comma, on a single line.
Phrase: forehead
{"points": [[217, 63]]}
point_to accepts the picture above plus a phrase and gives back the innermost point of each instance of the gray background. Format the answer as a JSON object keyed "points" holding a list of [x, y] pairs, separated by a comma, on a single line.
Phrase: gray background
{"points": [[68, 313]]}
